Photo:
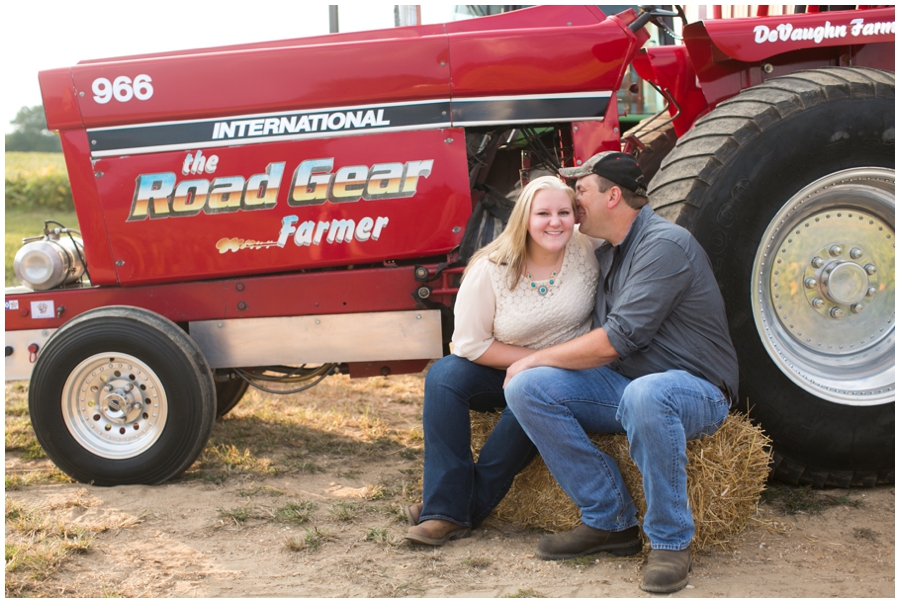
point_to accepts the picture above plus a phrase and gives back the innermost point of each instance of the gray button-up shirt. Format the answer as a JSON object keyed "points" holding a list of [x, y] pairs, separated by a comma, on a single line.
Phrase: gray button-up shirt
{"points": [[658, 301]]}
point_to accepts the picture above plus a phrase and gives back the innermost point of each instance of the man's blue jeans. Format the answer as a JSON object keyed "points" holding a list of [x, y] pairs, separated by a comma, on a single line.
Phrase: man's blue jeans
{"points": [[659, 413], [454, 487]]}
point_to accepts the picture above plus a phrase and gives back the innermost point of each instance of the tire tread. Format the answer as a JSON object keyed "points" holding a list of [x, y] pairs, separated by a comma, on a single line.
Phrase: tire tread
{"points": [[753, 110]]}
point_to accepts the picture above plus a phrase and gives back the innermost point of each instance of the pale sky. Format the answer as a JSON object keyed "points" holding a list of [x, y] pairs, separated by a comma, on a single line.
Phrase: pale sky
{"points": [[47, 34]]}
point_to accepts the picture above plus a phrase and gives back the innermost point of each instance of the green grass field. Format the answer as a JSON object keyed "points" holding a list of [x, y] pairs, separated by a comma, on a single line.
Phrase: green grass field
{"points": [[23, 164], [36, 180], [22, 223]]}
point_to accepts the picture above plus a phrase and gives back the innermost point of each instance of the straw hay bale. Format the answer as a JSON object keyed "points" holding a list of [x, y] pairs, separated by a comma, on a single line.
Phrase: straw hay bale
{"points": [[726, 476]]}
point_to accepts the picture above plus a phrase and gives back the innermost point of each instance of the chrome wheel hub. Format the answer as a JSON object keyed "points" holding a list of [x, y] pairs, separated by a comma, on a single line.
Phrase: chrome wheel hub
{"points": [[114, 405], [823, 287]]}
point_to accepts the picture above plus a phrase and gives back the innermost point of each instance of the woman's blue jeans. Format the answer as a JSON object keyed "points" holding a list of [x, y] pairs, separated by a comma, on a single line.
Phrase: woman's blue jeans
{"points": [[557, 408], [455, 488]]}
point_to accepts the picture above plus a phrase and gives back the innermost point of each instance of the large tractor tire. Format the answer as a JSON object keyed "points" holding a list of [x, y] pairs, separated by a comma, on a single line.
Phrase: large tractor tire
{"points": [[789, 187], [121, 395]]}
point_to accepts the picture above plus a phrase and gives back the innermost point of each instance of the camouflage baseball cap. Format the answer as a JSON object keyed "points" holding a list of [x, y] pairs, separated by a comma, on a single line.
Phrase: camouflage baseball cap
{"points": [[619, 168]]}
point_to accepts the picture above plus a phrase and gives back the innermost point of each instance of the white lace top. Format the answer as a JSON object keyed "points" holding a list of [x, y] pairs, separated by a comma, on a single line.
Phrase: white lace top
{"points": [[486, 310]]}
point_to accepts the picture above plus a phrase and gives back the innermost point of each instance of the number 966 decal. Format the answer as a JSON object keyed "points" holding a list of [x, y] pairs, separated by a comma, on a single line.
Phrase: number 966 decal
{"points": [[123, 89]]}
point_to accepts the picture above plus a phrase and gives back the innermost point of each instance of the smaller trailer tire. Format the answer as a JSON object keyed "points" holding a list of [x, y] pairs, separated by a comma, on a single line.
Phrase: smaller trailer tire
{"points": [[121, 395], [228, 394]]}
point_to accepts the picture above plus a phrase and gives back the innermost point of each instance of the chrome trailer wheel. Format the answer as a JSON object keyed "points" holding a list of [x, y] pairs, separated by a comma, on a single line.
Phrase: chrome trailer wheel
{"points": [[114, 405]]}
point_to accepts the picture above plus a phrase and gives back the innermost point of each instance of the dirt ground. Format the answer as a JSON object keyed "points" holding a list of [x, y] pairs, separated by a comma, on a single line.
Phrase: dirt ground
{"points": [[303, 496]]}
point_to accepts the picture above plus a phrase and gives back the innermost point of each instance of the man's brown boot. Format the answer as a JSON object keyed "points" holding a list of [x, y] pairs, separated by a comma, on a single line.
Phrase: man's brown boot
{"points": [[666, 571], [585, 540], [436, 532], [412, 514]]}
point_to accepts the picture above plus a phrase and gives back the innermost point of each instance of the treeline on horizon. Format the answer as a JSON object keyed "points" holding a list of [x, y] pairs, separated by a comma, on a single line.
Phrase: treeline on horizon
{"points": [[30, 133]]}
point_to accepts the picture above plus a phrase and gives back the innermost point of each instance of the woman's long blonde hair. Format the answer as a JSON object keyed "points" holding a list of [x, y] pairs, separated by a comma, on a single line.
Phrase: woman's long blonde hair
{"points": [[508, 249]]}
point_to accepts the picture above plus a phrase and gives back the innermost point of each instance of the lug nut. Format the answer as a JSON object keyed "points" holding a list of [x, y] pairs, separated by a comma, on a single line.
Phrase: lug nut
{"points": [[870, 292], [810, 283], [856, 308], [835, 250], [817, 262], [817, 302], [870, 269], [856, 253], [836, 313]]}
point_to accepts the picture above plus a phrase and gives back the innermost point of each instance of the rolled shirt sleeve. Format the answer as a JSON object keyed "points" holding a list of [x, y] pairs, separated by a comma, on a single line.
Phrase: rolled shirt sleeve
{"points": [[639, 308]]}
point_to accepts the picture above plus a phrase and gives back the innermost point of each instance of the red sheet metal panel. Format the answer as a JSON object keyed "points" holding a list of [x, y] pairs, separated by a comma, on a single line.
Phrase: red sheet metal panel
{"points": [[728, 55], [555, 57], [755, 39], [256, 81], [331, 292], [282, 206], [91, 220], [669, 67]]}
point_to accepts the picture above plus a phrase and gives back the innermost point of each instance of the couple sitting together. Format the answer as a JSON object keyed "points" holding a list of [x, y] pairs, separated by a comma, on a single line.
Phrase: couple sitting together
{"points": [[566, 340]]}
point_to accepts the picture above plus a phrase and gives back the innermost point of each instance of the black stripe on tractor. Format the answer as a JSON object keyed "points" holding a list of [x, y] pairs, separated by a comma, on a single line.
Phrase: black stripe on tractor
{"points": [[191, 133], [151, 136], [537, 110], [422, 115]]}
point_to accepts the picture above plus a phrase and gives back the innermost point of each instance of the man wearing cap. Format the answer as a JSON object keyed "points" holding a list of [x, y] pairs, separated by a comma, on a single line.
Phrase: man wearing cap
{"points": [[657, 365]]}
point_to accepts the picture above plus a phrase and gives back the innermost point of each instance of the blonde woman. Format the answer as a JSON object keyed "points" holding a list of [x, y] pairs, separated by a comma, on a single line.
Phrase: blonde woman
{"points": [[533, 287]]}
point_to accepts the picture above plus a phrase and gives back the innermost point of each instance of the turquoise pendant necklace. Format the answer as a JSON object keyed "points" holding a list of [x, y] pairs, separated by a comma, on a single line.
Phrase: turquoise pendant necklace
{"points": [[543, 289]]}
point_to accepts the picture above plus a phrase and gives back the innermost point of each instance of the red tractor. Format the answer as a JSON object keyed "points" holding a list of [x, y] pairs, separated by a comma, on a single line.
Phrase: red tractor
{"points": [[291, 209]]}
